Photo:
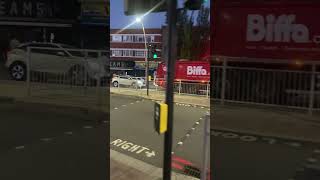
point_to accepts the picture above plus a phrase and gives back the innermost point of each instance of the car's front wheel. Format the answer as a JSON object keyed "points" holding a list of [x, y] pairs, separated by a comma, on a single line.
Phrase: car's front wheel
{"points": [[115, 84], [18, 71]]}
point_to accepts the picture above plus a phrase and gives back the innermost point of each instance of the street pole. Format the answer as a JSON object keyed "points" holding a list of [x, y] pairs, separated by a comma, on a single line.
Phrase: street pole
{"points": [[146, 58], [170, 63], [147, 84]]}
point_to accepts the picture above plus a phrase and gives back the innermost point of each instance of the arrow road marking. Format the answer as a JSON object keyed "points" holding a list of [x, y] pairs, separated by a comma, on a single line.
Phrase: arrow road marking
{"points": [[150, 154]]}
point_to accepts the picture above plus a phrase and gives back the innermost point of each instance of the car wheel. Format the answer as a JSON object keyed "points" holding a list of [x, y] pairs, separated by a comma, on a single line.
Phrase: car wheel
{"points": [[134, 85], [77, 75], [115, 84], [18, 71]]}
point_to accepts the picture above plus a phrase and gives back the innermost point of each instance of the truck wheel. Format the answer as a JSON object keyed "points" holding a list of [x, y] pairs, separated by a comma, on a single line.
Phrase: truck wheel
{"points": [[115, 84]]}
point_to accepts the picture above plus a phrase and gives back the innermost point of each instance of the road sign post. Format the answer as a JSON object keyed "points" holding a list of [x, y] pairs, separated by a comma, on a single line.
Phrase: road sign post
{"points": [[170, 63]]}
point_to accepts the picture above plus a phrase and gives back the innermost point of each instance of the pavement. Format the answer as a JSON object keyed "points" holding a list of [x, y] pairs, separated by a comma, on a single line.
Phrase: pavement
{"points": [[123, 167], [159, 95]]}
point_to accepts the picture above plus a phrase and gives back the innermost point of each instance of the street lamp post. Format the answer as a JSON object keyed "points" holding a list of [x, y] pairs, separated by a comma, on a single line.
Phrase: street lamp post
{"points": [[139, 20]]}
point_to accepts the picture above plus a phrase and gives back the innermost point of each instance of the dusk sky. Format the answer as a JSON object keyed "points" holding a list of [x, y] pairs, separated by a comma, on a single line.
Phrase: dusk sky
{"points": [[119, 20]]}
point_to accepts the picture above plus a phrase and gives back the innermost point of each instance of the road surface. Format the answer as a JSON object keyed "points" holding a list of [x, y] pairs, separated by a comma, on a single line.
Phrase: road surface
{"points": [[234, 155], [51, 146], [243, 156], [132, 122]]}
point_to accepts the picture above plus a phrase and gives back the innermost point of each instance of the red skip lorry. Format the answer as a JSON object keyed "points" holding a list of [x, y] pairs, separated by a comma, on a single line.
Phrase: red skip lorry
{"points": [[270, 50], [186, 72]]}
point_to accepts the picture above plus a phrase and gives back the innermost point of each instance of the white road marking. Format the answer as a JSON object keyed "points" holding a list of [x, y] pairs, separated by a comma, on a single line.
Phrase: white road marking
{"points": [[133, 148], [201, 118], [87, 127], [46, 139], [197, 123], [19, 147], [187, 135], [105, 122], [234, 135], [68, 132], [172, 152], [180, 143], [270, 140], [248, 138], [115, 108], [202, 107], [294, 144], [131, 103], [124, 105], [312, 160], [150, 154], [317, 151], [193, 129]]}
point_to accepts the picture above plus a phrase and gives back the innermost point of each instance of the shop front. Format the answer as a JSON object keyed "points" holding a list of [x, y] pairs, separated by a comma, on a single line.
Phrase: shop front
{"points": [[122, 67], [33, 20], [140, 68], [94, 24]]}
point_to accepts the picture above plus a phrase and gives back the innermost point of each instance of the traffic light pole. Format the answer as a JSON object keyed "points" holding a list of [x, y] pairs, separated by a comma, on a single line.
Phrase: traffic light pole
{"points": [[147, 72], [170, 63]]}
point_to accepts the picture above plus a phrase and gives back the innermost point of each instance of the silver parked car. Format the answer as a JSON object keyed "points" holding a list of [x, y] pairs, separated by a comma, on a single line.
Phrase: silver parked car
{"points": [[128, 81], [56, 59]]}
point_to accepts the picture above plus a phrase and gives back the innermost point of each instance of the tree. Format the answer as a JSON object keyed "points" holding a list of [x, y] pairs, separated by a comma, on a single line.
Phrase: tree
{"points": [[190, 38], [184, 34], [201, 32]]}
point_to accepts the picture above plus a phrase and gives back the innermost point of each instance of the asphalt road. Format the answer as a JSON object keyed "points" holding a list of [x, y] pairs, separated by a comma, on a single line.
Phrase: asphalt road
{"points": [[51, 146], [234, 155], [243, 156], [132, 121]]}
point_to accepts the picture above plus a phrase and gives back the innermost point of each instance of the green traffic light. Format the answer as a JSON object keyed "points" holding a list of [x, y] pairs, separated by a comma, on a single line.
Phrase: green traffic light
{"points": [[155, 56]]}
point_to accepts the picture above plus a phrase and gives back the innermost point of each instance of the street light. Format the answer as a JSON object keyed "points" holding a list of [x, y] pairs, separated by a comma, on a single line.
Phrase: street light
{"points": [[139, 20]]}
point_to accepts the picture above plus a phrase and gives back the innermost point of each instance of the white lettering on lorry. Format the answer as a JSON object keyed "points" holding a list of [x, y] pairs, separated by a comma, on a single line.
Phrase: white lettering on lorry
{"points": [[196, 70], [277, 29]]}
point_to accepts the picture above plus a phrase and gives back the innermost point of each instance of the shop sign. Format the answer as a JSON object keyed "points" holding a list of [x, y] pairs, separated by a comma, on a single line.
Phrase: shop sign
{"points": [[47, 9]]}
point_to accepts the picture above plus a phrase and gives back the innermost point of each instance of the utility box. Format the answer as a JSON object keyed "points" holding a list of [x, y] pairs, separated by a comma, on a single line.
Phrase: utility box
{"points": [[160, 117]]}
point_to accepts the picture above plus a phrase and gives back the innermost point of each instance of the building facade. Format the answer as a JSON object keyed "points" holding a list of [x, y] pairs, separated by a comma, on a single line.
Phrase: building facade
{"points": [[128, 52], [70, 22]]}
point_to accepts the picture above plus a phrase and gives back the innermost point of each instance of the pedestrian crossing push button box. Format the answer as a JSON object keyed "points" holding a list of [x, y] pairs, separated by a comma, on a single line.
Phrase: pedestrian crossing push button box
{"points": [[160, 117]]}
